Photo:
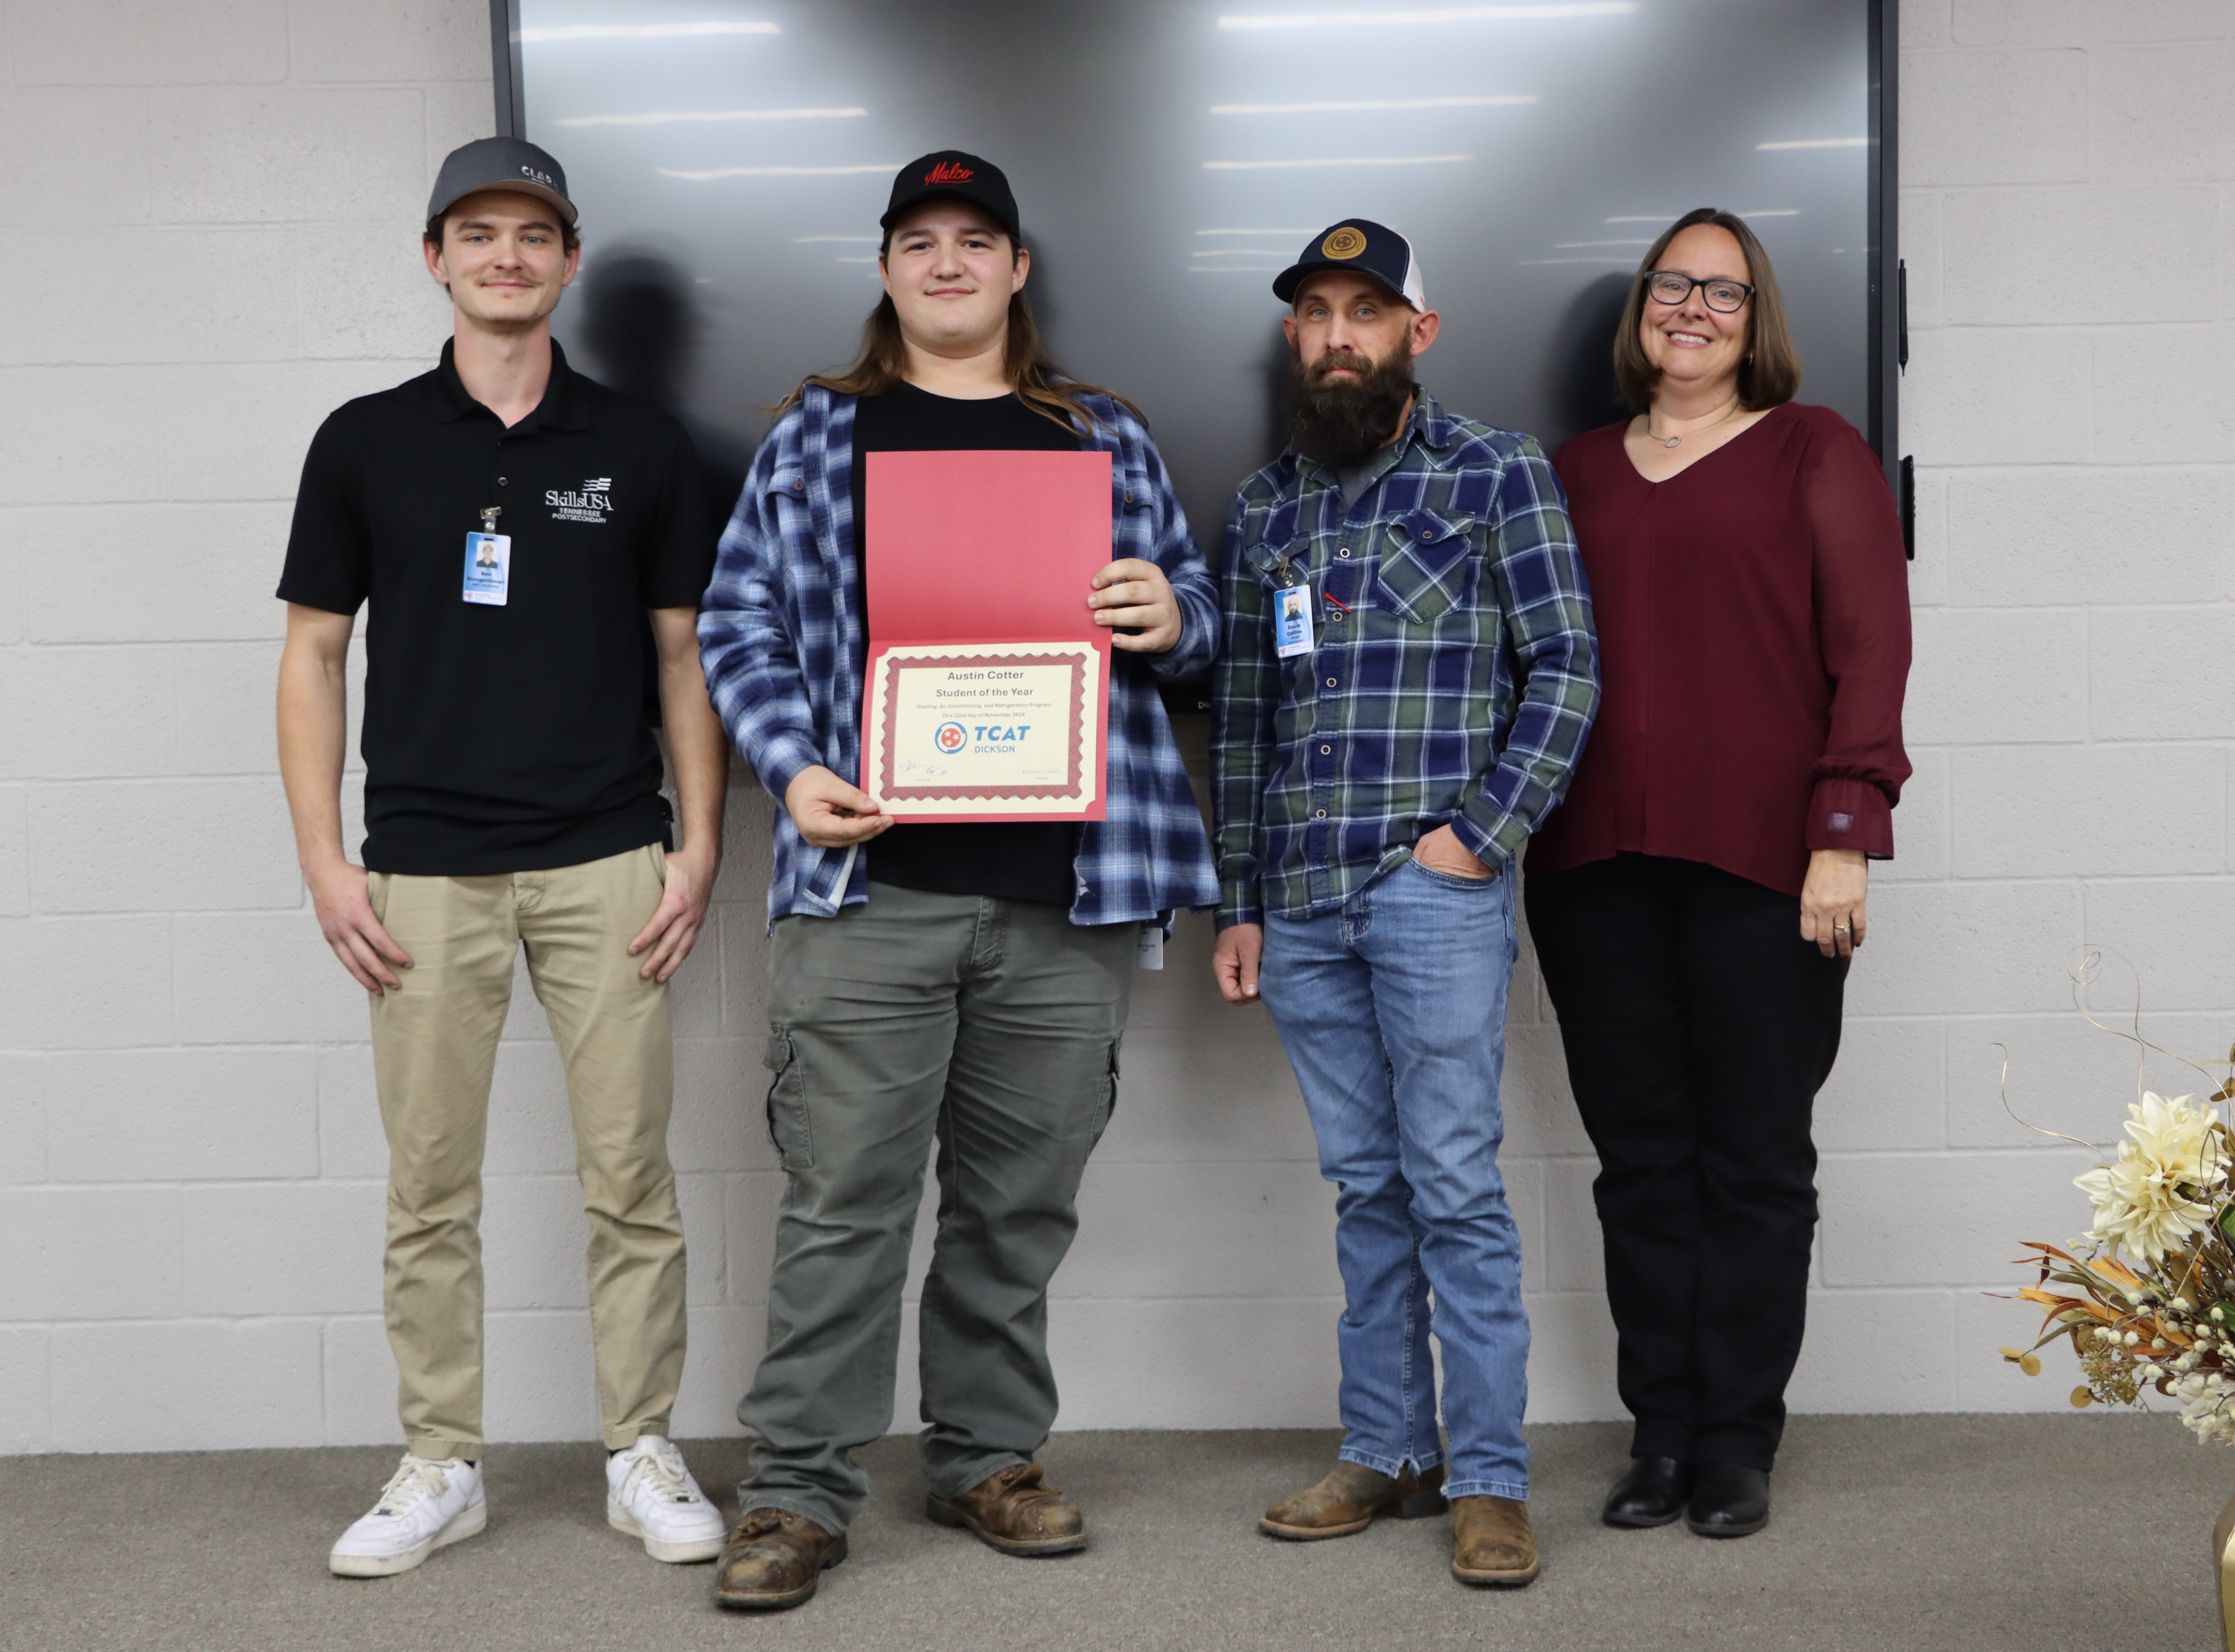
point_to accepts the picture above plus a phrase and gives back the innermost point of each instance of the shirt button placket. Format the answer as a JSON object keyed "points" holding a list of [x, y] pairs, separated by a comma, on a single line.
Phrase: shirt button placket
{"points": [[1321, 852], [498, 480]]}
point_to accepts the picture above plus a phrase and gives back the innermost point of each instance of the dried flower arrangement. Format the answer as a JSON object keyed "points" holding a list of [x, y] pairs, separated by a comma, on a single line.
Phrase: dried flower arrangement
{"points": [[2149, 1291], [2147, 1295]]}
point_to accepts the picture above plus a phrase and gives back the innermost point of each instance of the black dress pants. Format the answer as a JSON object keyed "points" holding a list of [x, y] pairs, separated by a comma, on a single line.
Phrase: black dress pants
{"points": [[1698, 1027]]}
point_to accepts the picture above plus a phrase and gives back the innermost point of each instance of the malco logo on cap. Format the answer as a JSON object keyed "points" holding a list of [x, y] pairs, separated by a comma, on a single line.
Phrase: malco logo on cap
{"points": [[948, 173]]}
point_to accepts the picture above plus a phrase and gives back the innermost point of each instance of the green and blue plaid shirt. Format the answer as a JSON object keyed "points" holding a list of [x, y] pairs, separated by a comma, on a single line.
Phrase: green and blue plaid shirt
{"points": [[1453, 680]]}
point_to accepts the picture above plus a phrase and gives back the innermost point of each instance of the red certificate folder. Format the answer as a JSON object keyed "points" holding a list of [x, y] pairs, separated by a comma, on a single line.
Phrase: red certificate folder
{"points": [[987, 697]]}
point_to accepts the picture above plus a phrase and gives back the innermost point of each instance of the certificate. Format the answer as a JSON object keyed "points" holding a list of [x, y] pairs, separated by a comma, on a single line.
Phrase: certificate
{"points": [[986, 692], [994, 730]]}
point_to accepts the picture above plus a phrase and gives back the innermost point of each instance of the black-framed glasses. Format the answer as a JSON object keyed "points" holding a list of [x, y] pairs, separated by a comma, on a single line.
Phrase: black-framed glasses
{"points": [[1674, 286]]}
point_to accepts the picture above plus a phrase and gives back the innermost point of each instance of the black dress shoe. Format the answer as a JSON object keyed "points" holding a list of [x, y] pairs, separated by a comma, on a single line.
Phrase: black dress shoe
{"points": [[1728, 1500], [1651, 1494]]}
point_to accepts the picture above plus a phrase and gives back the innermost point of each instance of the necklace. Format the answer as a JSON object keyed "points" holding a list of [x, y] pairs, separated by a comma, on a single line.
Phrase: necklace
{"points": [[1671, 441]]}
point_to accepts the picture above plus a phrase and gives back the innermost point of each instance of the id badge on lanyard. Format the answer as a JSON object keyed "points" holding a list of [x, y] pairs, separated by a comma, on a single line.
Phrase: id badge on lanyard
{"points": [[488, 562], [1292, 614]]}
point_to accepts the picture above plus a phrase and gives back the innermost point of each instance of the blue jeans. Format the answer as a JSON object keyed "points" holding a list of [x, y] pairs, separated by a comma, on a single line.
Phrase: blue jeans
{"points": [[1392, 1011]]}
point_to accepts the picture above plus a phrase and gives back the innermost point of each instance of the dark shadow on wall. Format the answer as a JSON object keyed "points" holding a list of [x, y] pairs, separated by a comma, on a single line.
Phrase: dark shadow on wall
{"points": [[1579, 377], [1273, 366], [642, 327], [1192, 695]]}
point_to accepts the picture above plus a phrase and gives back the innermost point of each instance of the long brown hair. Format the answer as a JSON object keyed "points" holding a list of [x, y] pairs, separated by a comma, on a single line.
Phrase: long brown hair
{"points": [[1038, 382], [1769, 376]]}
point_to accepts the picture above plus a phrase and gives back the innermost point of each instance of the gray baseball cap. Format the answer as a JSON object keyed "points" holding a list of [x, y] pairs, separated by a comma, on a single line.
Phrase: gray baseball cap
{"points": [[499, 163]]}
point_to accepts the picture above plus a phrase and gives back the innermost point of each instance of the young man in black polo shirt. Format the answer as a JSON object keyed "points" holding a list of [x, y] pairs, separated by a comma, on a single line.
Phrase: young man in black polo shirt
{"points": [[508, 524]]}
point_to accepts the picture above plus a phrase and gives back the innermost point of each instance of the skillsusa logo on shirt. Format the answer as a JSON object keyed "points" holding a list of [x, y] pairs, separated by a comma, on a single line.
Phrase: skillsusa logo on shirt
{"points": [[587, 503]]}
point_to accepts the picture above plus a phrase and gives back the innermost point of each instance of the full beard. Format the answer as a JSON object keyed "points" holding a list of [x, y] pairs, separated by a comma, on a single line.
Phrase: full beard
{"points": [[1339, 422]]}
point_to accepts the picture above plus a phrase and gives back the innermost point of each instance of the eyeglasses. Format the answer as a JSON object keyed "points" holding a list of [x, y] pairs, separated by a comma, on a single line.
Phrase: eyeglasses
{"points": [[1673, 287]]}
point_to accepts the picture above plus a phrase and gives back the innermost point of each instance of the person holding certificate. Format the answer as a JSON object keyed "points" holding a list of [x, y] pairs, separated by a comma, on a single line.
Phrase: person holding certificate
{"points": [[1409, 674], [953, 948]]}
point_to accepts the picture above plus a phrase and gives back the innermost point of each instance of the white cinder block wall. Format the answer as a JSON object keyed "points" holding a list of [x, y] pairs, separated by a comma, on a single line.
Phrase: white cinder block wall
{"points": [[206, 241]]}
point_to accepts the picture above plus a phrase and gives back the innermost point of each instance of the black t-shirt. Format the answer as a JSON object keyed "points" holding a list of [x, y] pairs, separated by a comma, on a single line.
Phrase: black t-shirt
{"points": [[1019, 860], [504, 738]]}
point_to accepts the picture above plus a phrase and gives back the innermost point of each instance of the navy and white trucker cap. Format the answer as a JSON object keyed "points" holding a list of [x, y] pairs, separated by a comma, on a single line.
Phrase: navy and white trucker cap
{"points": [[1361, 244]]}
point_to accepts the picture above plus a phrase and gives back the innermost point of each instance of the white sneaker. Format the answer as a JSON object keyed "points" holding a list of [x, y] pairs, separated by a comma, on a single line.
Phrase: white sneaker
{"points": [[426, 1506], [649, 1494]]}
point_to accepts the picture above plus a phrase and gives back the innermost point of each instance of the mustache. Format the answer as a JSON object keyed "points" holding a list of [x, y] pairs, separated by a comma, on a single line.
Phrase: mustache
{"points": [[1317, 372]]}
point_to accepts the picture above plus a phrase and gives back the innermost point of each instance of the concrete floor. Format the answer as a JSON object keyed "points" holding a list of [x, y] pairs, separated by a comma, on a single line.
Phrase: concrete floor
{"points": [[2048, 1534]]}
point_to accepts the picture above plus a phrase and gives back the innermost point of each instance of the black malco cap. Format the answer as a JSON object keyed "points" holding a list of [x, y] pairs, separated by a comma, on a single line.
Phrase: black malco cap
{"points": [[966, 177]]}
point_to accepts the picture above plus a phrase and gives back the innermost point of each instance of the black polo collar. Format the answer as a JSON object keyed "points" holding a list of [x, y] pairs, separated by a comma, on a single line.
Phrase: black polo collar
{"points": [[563, 406]]}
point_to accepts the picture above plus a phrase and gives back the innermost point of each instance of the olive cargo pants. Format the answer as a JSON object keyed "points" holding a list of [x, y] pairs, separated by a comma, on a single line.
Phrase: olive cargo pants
{"points": [[988, 1027]]}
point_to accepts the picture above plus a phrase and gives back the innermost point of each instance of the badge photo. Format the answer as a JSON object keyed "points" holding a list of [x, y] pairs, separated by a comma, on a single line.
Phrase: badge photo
{"points": [[489, 568], [1292, 621]]}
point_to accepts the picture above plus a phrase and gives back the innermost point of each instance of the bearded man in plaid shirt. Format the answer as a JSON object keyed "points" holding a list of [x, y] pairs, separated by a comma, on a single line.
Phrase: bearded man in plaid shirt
{"points": [[1408, 675]]}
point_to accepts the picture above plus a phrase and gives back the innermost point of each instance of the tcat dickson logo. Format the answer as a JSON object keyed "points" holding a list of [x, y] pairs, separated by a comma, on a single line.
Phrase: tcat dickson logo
{"points": [[947, 172], [950, 738], [587, 503]]}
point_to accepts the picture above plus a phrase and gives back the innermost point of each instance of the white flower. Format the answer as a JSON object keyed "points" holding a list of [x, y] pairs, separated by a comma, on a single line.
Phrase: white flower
{"points": [[2160, 1189], [2209, 1417]]}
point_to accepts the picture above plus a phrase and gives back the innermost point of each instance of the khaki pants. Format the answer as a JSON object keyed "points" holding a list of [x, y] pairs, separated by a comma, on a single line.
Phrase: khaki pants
{"points": [[433, 1047]]}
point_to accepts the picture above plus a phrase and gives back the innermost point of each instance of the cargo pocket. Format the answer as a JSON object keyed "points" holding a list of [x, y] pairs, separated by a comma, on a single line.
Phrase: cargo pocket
{"points": [[787, 1104], [1426, 568], [1110, 1090]]}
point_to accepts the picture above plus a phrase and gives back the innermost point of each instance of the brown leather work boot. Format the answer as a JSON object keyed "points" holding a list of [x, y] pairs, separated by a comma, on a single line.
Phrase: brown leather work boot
{"points": [[1349, 1499], [1012, 1510], [1491, 1543], [774, 1559]]}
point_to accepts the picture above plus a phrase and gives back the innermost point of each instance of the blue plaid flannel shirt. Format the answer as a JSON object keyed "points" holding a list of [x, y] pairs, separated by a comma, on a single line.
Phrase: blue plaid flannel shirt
{"points": [[780, 631], [1453, 681]]}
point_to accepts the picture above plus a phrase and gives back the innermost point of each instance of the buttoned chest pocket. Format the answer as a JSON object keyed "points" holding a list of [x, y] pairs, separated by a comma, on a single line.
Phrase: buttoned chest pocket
{"points": [[1279, 565], [787, 508], [1426, 563]]}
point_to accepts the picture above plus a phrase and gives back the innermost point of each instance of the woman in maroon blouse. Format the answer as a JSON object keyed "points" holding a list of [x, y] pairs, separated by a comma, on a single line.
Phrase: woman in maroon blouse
{"points": [[1696, 899]]}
